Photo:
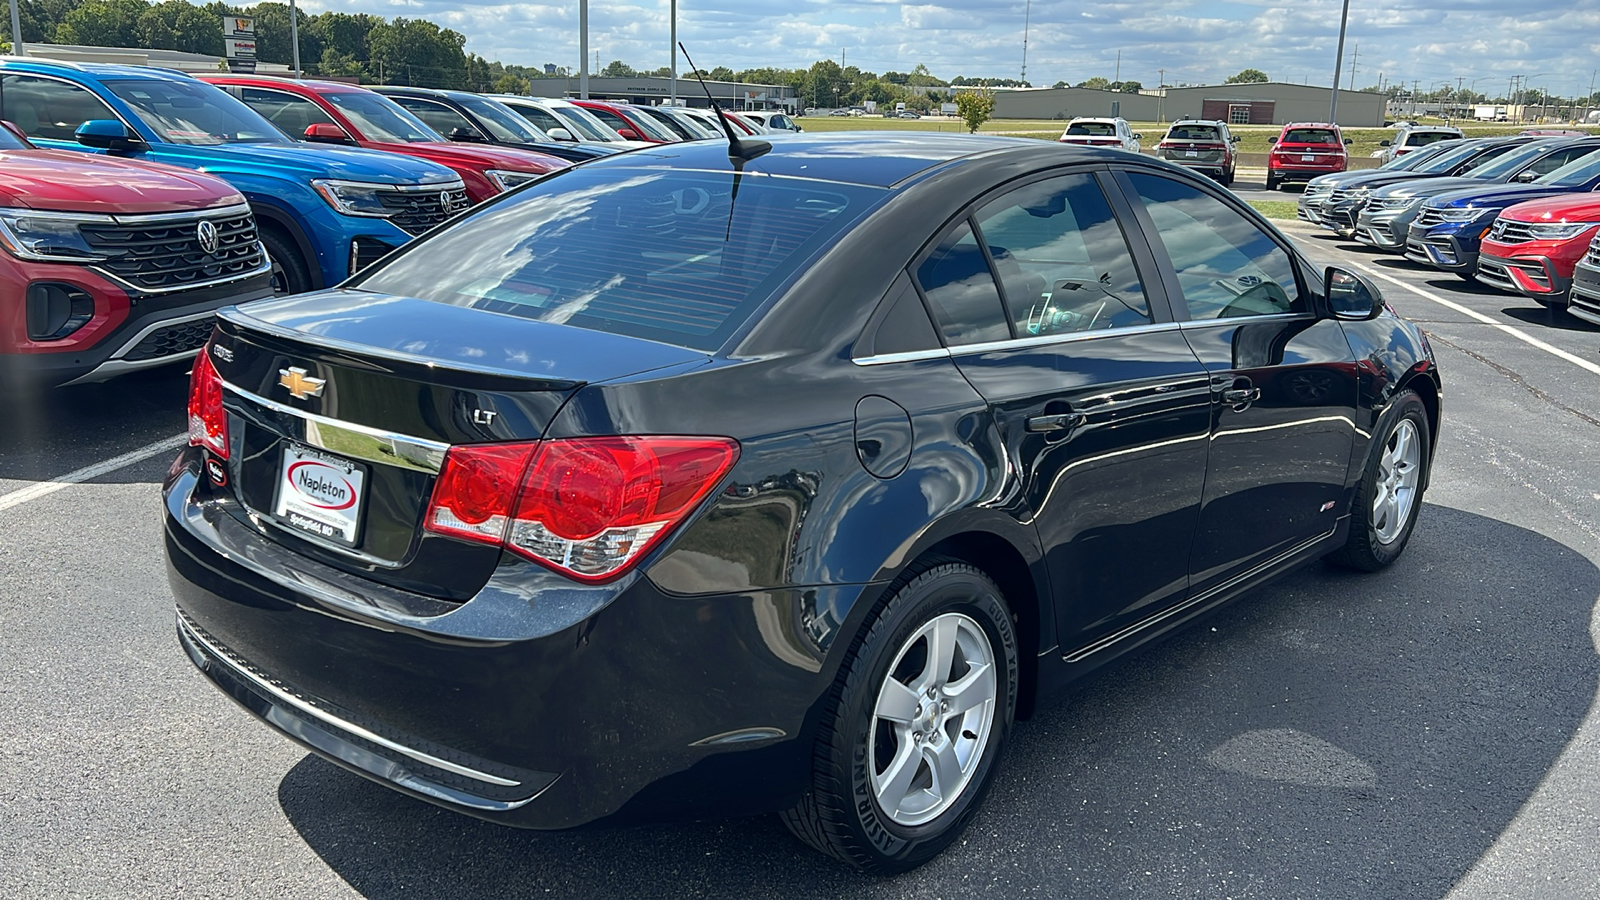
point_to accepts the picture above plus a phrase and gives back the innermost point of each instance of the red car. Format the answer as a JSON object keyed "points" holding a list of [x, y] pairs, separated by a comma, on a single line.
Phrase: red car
{"points": [[628, 122], [1305, 150], [110, 265], [1532, 247], [335, 113]]}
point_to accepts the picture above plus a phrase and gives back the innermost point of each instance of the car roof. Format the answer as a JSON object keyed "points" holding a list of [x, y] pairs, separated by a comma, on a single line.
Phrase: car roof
{"points": [[101, 71], [871, 158], [1200, 122], [1309, 125]]}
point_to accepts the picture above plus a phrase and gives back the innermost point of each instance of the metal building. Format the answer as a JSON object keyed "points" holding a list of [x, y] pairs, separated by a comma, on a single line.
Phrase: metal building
{"points": [[1270, 103], [649, 90]]}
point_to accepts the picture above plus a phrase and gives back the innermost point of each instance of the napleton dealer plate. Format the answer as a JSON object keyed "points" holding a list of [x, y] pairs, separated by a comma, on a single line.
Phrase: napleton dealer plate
{"points": [[320, 494]]}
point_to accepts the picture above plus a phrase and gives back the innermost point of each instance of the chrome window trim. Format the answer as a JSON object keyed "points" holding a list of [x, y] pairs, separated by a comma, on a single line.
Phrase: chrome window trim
{"points": [[405, 451], [1044, 340], [1191, 324]]}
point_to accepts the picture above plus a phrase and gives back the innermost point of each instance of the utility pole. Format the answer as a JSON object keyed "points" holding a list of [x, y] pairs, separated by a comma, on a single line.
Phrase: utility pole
{"points": [[583, 49], [1338, 60], [1587, 100], [1118, 76], [294, 36], [674, 73], [1027, 16], [1355, 54], [17, 47], [1161, 97]]}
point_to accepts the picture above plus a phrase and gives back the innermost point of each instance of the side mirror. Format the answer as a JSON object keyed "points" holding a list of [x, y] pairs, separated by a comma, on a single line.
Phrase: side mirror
{"points": [[1527, 177], [1352, 297], [463, 135], [561, 134], [1383, 143], [1348, 141], [327, 133], [1137, 136], [17, 132], [628, 134], [107, 134], [1273, 139]]}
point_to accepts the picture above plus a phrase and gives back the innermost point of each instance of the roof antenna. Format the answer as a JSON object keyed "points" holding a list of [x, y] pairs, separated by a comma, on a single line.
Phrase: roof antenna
{"points": [[740, 150]]}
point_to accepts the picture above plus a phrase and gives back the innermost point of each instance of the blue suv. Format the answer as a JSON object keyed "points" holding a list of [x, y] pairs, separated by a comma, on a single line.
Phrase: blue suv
{"points": [[1450, 227], [323, 212]]}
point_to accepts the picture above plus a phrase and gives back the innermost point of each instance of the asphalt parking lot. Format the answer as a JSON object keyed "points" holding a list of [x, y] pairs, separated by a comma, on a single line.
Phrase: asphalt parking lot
{"points": [[1428, 731]]}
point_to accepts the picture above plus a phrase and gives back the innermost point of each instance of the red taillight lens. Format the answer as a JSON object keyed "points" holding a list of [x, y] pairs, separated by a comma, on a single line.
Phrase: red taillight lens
{"points": [[586, 507], [208, 422]]}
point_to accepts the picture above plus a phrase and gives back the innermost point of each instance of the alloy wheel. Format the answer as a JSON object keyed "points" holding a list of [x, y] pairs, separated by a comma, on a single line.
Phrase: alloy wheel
{"points": [[1399, 470]]}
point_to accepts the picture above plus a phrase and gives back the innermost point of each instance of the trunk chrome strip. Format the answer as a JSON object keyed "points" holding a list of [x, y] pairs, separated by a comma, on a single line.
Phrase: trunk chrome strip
{"points": [[356, 441]]}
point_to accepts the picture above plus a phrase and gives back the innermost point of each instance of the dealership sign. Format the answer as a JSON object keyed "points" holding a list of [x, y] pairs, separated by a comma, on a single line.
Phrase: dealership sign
{"points": [[239, 43]]}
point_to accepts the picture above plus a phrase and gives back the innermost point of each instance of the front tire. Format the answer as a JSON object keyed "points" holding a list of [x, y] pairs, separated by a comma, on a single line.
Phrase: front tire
{"points": [[289, 272], [911, 734], [1389, 497]]}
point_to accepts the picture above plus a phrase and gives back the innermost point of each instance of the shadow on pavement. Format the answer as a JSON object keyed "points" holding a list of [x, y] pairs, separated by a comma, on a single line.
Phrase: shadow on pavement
{"points": [[48, 432], [1549, 318], [1330, 735]]}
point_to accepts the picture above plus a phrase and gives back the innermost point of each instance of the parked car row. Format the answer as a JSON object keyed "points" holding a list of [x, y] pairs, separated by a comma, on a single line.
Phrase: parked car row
{"points": [[1516, 213], [305, 183]]}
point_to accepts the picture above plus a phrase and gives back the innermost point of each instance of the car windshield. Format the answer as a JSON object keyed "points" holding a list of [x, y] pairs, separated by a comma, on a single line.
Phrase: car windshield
{"points": [[1310, 136], [382, 119], [186, 112], [584, 125], [1193, 133], [502, 123], [9, 141], [1094, 129], [1576, 173], [662, 255], [1508, 163], [1449, 159], [649, 126], [702, 127]]}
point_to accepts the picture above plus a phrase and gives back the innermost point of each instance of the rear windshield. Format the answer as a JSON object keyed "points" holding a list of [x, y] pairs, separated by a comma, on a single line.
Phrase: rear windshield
{"points": [[668, 256], [1424, 138], [1310, 136], [1193, 133], [1093, 129]]}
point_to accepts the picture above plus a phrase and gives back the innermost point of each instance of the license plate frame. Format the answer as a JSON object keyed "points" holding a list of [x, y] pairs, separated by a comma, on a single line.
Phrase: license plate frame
{"points": [[1192, 154], [320, 494], [1308, 157]]}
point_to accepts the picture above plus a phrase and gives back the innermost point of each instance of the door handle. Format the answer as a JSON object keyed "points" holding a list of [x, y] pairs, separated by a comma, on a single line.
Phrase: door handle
{"points": [[1238, 396], [1054, 422]]}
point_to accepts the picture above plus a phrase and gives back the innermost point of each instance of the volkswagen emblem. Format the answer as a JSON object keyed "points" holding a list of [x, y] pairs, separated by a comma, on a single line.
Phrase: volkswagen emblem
{"points": [[206, 232], [444, 200]]}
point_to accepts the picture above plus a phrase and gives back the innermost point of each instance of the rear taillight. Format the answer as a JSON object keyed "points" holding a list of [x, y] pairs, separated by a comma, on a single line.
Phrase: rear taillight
{"points": [[586, 507], [208, 422]]}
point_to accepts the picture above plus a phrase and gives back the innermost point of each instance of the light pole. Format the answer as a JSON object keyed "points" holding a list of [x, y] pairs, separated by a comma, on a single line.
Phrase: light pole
{"points": [[674, 52], [1333, 102], [294, 36], [17, 47], [583, 49]]}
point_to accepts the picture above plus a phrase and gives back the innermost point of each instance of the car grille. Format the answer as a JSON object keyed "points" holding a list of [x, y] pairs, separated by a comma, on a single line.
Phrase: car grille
{"points": [[1316, 191], [184, 337], [416, 211], [167, 255], [1593, 256], [1508, 232], [1345, 195], [1428, 218]]}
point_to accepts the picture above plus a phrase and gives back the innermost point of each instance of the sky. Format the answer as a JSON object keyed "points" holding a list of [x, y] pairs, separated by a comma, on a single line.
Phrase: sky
{"points": [[1555, 43]]}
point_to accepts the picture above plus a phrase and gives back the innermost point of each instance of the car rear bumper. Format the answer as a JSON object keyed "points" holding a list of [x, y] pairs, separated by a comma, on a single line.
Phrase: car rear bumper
{"points": [[539, 703]]}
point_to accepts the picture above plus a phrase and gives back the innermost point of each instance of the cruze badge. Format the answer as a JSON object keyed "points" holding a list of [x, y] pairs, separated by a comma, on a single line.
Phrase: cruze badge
{"points": [[206, 231], [300, 384]]}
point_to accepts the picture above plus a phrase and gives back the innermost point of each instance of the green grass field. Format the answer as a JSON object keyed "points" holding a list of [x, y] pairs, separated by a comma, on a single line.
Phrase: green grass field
{"points": [[1254, 138], [1275, 209]]}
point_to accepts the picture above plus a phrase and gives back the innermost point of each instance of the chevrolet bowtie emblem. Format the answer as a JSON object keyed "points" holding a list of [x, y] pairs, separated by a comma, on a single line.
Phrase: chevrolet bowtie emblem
{"points": [[300, 384]]}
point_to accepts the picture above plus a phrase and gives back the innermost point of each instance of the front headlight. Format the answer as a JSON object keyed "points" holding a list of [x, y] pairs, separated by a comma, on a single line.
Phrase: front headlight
{"points": [[1396, 203], [355, 198], [1560, 231], [1460, 215], [506, 180], [48, 236]]}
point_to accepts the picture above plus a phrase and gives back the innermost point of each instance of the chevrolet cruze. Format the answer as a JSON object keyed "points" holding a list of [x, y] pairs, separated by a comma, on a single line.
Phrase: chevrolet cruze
{"points": [[726, 478]]}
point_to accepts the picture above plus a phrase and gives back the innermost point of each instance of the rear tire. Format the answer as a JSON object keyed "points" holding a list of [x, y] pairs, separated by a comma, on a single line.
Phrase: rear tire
{"points": [[1389, 497], [1468, 277], [1272, 183], [289, 272], [895, 778]]}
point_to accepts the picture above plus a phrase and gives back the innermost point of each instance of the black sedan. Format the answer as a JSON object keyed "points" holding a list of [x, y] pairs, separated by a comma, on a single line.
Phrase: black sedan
{"points": [[680, 485], [463, 116]]}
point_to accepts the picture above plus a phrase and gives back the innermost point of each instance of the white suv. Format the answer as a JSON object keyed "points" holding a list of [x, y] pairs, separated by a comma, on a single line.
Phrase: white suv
{"points": [[777, 120], [1415, 137], [1093, 132]]}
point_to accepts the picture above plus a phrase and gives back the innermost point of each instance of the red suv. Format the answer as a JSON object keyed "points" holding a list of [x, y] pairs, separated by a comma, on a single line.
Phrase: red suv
{"points": [[1305, 150], [629, 122], [1532, 247], [331, 112], [110, 265]]}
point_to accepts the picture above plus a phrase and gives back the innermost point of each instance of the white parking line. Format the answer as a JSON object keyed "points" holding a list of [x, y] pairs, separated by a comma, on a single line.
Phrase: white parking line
{"points": [[1517, 333], [46, 488]]}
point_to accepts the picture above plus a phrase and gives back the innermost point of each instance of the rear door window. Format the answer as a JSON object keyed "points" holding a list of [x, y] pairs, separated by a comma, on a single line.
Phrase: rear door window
{"points": [[49, 109], [668, 256], [437, 116], [961, 290], [290, 113]]}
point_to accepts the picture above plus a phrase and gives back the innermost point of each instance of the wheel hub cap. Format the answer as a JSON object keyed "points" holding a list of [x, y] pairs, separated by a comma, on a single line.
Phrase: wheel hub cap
{"points": [[1399, 472]]}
